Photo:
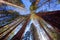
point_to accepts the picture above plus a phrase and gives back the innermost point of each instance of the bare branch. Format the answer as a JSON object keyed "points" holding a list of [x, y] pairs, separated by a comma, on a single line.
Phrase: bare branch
{"points": [[4, 2]]}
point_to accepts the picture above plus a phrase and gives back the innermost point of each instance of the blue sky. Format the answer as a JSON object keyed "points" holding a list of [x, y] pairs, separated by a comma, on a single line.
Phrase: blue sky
{"points": [[27, 3], [53, 6], [22, 12]]}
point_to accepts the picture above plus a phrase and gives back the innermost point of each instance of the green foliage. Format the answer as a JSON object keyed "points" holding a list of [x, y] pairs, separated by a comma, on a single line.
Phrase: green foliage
{"points": [[33, 7]]}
